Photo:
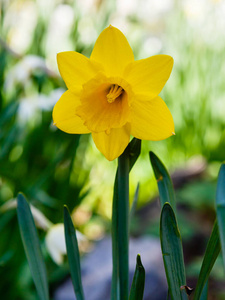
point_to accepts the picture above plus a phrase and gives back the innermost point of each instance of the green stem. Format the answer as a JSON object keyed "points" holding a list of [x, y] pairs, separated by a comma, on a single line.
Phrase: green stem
{"points": [[123, 224], [114, 286], [120, 222], [120, 229]]}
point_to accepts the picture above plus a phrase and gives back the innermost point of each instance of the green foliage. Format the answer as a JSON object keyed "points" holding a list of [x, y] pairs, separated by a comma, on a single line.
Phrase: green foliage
{"points": [[211, 254], [138, 283], [164, 181], [73, 255], [172, 253], [204, 294], [134, 203], [171, 239], [169, 233], [32, 247], [220, 208]]}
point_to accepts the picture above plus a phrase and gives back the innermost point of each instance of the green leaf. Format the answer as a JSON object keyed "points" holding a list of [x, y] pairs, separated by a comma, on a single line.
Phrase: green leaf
{"points": [[204, 295], [73, 255], [133, 150], [164, 181], [134, 204], [172, 253], [220, 208], [211, 254], [120, 216], [138, 284], [32, 247]]}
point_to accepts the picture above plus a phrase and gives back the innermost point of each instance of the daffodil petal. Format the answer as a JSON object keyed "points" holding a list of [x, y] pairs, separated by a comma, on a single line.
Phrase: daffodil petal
{"points": [[151, 120], [64, 114], [113, 144], [113, 51], [76, 69], [148, 76]]}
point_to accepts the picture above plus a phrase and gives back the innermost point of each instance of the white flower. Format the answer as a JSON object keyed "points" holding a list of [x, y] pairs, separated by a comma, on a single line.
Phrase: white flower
{"points": [[55, 242]]}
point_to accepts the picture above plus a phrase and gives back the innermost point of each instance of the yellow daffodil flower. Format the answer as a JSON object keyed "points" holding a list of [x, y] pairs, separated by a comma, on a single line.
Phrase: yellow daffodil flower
{"points": [[112, 96]]}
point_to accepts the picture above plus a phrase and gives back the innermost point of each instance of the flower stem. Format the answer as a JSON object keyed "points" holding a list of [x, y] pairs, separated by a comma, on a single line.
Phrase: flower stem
{"points": [[120, 230]]}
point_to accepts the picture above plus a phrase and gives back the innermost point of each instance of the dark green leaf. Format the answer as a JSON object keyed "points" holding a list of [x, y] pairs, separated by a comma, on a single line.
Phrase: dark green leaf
{"points": [[220, 208], [211, 254], [134, 204], [133, 150], [73, 255], [138, 284], [32, 247], [172, 253], [165, 185], [204, 295]]}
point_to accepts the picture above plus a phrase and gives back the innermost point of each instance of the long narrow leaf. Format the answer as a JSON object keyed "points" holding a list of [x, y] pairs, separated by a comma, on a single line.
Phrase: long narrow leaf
{"points": [[164, 181], [138, 284], [73, 255], [32, 247], [172, 253], [204, 295], [220, 208], [211, 254], [134, 204], [133, 151]]}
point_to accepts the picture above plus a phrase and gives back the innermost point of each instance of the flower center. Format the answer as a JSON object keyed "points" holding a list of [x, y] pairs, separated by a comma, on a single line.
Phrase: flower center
{"points": [[114, 92]]}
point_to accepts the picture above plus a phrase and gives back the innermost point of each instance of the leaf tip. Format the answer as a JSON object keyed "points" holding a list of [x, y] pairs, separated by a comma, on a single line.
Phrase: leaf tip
{"points": [[21, 199], [139, 262]]}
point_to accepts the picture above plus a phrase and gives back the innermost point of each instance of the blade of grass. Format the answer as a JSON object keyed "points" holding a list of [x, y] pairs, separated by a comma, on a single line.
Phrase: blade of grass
{"points": [[132, 151], [165, 185], [220, 208], [73, 255], [138, 284], [172, 253], [32, 247], [211, 254]]}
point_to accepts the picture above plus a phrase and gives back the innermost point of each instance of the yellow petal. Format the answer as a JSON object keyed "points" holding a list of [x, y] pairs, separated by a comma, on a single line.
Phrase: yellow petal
{"points": [[113, 144], [148, 76], [76, 69], [151, 120], [64, 114], [113, 51]]}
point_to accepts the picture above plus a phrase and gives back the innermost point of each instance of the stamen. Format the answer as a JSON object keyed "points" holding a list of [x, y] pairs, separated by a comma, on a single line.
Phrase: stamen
{"points": [[114, 93]]}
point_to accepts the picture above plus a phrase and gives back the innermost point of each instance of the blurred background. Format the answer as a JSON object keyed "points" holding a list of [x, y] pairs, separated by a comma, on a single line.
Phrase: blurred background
{"points": [[53, 168]]}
